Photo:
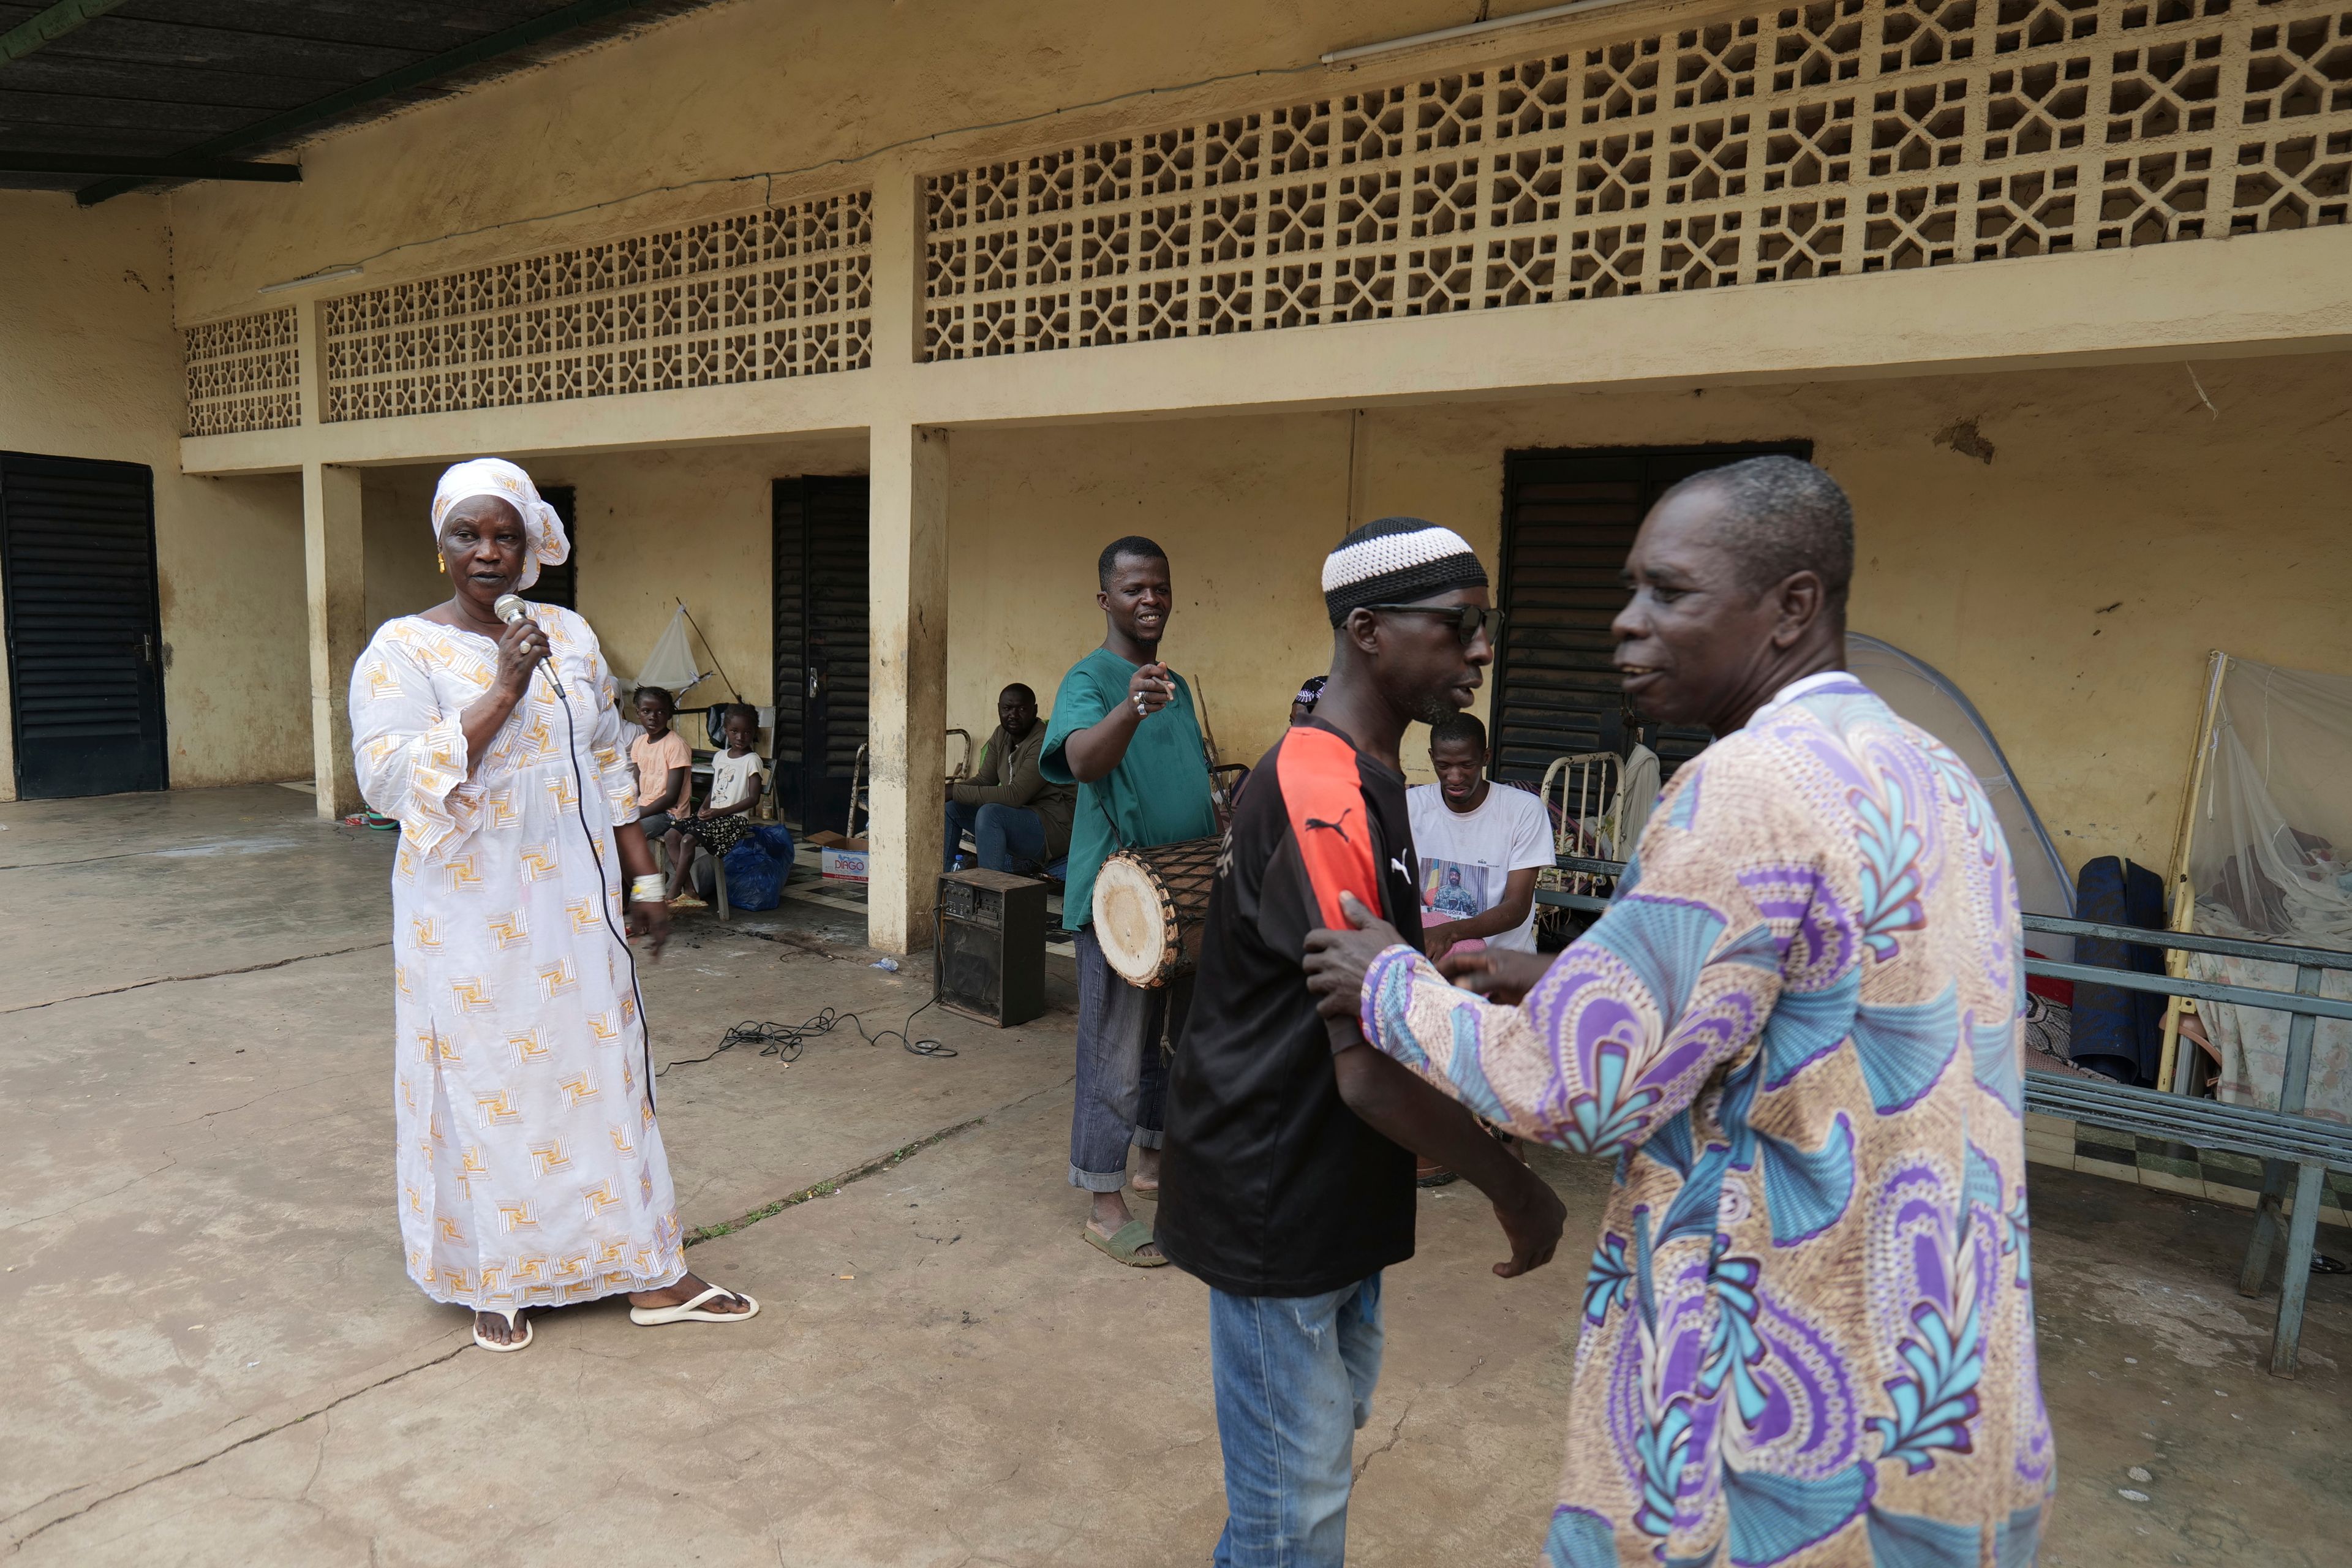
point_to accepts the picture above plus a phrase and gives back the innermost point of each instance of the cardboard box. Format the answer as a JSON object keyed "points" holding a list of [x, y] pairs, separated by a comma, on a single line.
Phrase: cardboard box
{"points": [[843, 865]]}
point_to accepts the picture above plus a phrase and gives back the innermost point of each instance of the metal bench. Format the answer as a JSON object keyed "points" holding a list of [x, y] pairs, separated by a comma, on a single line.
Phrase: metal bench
{"points": [[2287, 1142]]}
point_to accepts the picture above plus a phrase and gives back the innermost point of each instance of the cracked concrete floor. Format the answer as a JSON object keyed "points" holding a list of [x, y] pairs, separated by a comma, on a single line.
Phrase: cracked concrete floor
{"points": [[213, 1355]]}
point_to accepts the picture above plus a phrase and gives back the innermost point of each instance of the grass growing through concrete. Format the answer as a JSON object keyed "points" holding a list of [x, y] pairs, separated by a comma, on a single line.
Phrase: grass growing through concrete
{"points": [[829, 1186]]}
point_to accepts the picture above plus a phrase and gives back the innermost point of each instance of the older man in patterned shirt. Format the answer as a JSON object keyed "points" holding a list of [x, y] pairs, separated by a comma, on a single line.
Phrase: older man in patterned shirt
{"points": [[1808, 1328]]}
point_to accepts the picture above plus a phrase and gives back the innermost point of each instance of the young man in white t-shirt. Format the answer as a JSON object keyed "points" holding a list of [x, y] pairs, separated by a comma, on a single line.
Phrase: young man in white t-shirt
{"points": [[1480, 845]]}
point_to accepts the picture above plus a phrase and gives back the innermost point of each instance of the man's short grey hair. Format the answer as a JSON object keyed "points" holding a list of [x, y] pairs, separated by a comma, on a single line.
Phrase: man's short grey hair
{"points": [[1786, 516]]}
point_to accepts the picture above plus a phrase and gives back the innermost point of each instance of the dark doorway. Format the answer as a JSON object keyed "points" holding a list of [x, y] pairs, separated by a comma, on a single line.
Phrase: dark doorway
{"points": [[1569, 521], [560, 584], [821, 646], [85, 633]]}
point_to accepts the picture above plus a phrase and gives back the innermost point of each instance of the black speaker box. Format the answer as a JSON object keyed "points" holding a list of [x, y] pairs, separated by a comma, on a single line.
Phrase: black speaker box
{"points": [[988, 955]]}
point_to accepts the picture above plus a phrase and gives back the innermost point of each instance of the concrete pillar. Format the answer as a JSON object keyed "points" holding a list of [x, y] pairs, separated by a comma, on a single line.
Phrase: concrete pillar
{"points": [[335, 562], [898, 264], [908, 707]]}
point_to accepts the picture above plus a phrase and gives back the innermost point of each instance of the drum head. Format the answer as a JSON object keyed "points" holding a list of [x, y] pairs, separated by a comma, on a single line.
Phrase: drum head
{"points": [[1131, 920]]}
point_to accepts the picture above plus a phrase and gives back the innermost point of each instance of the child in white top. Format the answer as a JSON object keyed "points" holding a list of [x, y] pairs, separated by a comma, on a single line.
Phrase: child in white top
{"points": [[724, 820]]}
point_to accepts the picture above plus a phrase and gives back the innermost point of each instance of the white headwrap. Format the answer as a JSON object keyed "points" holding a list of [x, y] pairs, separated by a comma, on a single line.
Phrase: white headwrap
{"points": [[548, 544]]}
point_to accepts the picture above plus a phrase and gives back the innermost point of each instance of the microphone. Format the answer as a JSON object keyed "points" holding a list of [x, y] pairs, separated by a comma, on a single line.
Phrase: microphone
{"points": [[511, 608]]}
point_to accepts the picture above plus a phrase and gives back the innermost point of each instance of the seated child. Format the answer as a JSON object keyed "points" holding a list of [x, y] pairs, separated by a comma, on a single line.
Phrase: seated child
{"points": [[724, 820], [664, 764]]}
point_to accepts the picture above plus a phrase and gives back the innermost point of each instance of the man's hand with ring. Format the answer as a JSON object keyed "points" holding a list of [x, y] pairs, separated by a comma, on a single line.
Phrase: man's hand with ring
{"points": [[1150, 688]]}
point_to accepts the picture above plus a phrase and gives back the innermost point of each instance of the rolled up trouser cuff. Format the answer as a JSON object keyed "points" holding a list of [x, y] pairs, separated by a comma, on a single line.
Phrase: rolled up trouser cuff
{"points": [[1097, 1181], [1149, 1137]]}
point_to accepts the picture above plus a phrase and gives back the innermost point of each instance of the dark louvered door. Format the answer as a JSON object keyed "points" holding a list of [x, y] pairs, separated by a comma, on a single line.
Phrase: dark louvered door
{"points": [[84, 636], [1568, 521], [822, 645], [560, 584]]}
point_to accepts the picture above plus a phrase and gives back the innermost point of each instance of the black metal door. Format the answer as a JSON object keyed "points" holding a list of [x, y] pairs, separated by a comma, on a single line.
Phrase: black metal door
{"points": [[822, 646], [560, 584], [85, 634], [1568, 521]]}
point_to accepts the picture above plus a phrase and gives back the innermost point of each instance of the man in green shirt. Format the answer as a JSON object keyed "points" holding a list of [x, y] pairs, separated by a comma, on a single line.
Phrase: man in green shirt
{"points": [[1124, 731]]}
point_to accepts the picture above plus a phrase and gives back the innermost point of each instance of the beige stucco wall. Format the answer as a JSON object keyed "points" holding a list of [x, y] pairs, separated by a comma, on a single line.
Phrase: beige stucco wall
{"points": [[402, 578], [90, 367], [1246, 510], [741, 89], [2072, 585]]}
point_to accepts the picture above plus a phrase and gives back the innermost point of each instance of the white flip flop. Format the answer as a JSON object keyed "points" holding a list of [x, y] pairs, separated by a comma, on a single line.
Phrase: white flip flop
{"points": [[513, 1317], [691, 1312]]}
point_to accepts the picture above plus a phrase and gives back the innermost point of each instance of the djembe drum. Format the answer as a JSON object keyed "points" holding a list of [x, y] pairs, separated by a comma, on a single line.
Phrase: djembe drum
{"points": [[1148, 908]]}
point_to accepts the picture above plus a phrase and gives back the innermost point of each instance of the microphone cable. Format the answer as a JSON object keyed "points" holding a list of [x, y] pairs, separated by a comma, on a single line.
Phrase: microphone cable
{"points": [[595, 848]]}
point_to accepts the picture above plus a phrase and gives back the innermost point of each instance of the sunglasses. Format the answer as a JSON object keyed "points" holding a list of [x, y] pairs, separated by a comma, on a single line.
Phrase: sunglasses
{"points": [[1468, 619]]}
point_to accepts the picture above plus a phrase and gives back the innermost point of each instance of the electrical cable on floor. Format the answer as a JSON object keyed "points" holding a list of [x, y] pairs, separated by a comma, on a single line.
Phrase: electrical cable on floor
{"points": [[786, 1041]]}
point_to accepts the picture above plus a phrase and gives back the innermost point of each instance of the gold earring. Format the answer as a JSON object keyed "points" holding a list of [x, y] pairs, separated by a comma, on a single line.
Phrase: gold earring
{"points": [[442, 562]]}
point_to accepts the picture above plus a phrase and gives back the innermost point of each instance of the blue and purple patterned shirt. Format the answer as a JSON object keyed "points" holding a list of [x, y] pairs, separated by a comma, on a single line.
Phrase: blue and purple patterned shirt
{"points": [[1809, 1323]]}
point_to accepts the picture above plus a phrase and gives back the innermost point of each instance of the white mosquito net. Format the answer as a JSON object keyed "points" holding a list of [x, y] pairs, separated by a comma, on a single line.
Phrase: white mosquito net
{"points": [[1924, 695], [671, 663], [2270, 836], [2271, 847]]}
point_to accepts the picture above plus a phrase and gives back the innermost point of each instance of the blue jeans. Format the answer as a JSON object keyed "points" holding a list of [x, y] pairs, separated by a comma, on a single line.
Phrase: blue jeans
{"points": [[1121, 1094], [1010, 837], [1294, 1377]]}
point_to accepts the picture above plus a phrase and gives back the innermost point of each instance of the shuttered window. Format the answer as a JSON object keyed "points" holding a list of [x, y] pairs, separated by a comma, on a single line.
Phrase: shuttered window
{"points": [[1568, 521]]}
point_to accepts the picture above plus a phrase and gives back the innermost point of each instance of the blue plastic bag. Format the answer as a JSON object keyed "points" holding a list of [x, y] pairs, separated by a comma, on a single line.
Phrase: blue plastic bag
{"points": [[755, 877]]}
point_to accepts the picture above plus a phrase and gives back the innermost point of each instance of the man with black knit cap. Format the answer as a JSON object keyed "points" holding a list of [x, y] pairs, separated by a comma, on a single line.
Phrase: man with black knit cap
{"points": [[1287, 1178]]}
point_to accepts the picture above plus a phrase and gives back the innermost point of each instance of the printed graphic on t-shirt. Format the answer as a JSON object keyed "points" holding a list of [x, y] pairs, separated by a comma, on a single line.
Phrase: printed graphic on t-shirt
{"points": [[1452, 890]]}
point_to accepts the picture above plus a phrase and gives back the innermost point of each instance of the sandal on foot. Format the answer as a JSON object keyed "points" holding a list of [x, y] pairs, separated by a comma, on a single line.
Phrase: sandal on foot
{"points": [[689, 901], [513, 1317], [691, 1311], [1127, 1243]]}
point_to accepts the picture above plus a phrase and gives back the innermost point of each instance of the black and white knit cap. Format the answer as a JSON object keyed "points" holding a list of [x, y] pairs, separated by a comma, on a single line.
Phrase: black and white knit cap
{"points": [[1397, 561]]}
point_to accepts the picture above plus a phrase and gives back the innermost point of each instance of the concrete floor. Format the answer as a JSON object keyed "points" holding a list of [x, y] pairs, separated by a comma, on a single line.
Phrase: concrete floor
{"points": [[212, 1356]]}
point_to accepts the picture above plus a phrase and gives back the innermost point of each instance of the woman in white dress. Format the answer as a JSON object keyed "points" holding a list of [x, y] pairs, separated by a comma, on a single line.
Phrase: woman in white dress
{"points": [[530, 1168]]}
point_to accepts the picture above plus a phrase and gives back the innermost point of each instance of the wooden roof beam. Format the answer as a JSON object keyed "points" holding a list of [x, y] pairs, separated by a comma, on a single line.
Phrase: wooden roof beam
{"points": [[481, 50], [47, 26], [166, 167]]}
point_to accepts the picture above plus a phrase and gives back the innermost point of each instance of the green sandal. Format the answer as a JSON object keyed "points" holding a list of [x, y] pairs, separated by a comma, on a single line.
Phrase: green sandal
{"points": [[1124, 1246]]}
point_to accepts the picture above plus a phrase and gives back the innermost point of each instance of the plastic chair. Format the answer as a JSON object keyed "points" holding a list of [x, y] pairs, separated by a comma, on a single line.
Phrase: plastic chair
{"points": [[718, 875]]}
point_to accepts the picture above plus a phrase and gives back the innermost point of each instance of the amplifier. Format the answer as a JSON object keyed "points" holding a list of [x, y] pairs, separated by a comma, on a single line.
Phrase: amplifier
{"points": [[988, 955]]}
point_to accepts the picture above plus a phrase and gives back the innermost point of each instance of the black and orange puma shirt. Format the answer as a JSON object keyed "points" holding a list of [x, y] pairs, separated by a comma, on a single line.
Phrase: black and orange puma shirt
{"points": [[1270, 1186]]}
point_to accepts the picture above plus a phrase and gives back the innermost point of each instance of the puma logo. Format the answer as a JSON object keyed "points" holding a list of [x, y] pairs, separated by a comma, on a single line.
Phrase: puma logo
{"points": [[1335, 826]]}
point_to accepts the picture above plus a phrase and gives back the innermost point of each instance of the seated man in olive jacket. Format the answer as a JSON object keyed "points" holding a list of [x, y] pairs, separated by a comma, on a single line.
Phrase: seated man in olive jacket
{"points": [[1018, 821]]}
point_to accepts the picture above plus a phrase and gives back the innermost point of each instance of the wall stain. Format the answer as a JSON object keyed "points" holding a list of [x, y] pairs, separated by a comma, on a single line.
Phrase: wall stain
{"points": [[1963, 436]]}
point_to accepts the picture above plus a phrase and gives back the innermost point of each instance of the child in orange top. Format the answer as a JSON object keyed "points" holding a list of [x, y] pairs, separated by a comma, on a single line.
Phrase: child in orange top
{"points": [[665, 766]]}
